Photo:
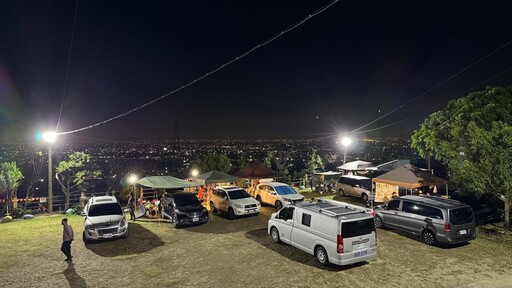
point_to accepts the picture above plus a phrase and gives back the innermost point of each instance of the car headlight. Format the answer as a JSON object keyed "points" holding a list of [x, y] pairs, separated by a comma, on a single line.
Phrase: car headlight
{"points": [[258, 204], [238, 206], [123, 222], [179, 212], [204, 210], [90, 227]]}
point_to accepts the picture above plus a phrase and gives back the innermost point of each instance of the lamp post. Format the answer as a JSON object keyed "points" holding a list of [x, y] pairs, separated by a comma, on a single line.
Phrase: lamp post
{"points": [[194, 173], [50, 137], [131, 180], [345, 141]]}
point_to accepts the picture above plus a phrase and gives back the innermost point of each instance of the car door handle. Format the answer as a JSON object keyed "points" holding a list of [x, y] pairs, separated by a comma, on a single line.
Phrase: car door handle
{"points": [[428, 220]]}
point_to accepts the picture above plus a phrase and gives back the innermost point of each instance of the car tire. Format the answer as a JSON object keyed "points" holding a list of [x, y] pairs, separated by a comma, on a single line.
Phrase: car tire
{"points": [[342, 192], [274, 234], [364, 197], [279, 205], [321, 256], [258, 198], [428, 238], [86, 241], [231, 212], [174, 219], [212, 207], [378, 222]]}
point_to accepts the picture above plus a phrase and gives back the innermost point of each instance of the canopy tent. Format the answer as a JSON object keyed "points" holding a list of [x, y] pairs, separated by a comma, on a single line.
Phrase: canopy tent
{"points": [[410, 176], [357, 166], [328, 173], [166, 182], [215, 177], [392, 165], [258, 172]]}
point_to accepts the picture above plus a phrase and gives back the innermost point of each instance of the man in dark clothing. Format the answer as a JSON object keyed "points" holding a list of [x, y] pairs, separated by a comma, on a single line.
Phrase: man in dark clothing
{"points": [[67, 238], [131, 206]]}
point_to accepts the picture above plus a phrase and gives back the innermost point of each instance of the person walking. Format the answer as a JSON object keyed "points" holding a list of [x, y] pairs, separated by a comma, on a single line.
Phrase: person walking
{"points": [[67, 238], [131, 207]]}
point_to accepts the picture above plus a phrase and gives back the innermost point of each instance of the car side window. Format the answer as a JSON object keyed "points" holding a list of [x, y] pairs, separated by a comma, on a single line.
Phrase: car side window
{"points": [[306, 219], [431, 212], [271, 189], [394, 205], [411, 207], [286, 213], [223, 195]]}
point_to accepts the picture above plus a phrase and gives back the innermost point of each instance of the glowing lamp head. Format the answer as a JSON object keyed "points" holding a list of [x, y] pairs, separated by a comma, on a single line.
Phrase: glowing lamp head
{"points": [[49, 136], [346, 141], [194, 173], [132, 179]]}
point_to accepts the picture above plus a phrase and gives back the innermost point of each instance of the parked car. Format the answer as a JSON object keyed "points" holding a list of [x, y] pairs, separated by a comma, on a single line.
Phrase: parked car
{"points": [[435, 219], [183, 208], [335, 232], [104, 219], [488, 208], [356, 186], [235, 201], [276, 194]]}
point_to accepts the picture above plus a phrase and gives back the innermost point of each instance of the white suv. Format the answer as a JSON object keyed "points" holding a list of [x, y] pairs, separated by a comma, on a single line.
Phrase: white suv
{"points": [[277, 194], [104, 219], [335, 232], [235, 201]]}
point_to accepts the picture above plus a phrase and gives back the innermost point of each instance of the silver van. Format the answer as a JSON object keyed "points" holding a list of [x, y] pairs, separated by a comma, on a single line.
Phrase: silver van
{"points": [[435, 219], [356, 186]]}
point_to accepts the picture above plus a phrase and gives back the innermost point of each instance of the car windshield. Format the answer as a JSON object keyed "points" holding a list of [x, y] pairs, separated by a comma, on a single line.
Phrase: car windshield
{"points": [[186, 200], [238, 194], [105, 209], [285, 190], [461, 216]]}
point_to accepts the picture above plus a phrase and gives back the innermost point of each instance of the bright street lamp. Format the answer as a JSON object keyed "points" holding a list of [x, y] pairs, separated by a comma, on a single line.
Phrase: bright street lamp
{"points": [[132, 179], [345, 141], [194, 173], [50, 137]]}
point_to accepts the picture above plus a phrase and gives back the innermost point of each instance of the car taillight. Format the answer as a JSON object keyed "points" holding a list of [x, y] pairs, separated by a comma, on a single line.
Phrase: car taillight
{"points": [[447, 227], [339, 246], [373, 213]]}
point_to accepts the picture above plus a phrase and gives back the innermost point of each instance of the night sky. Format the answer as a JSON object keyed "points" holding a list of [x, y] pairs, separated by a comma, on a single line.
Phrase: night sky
{"points": [[332, 74]]}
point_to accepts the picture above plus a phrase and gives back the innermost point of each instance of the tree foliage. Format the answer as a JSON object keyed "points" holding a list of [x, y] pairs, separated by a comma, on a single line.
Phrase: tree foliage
{"points": [[314, 162], [33, 173], [72, 174], [473, 137], [10, 180], [214, 161]]}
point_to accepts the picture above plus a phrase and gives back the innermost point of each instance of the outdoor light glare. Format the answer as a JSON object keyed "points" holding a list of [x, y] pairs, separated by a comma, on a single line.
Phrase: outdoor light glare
{"points": [[132, 178], [194, 173], [49, 136], [346, 141]]}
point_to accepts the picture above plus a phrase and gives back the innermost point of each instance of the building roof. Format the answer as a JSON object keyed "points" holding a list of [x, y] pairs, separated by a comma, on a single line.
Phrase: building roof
{"points": [[409, 176]]}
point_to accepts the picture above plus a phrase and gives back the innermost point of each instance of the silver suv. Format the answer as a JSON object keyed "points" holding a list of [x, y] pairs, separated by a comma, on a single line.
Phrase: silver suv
{"points": [[104, 219], [435, 219]]}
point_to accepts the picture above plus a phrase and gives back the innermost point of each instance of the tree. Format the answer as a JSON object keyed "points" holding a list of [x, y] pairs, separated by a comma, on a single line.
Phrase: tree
{"points": [[10, 180], [473, 137], [244, 160], [214, 161], [267, 160], [314, 162], [34, 173], [73, 173]]}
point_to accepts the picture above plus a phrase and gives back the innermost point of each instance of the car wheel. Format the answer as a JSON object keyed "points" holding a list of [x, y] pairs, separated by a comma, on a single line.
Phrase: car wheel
{"points": [[279, 205], [342, 192], [321, 256], [274, 234], [231, 212], [378, 222], [212, 207], [364, 197], [428, 237], [86, 241], [174, 219], [258, 198]]}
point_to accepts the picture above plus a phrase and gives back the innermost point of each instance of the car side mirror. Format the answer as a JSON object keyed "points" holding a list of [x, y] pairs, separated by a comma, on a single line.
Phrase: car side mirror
{"points": [[272, 193], [83, 213], [386, 207]]}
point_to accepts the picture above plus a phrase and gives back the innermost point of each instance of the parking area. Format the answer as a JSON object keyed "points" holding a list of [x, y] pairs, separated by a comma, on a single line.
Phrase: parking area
{"points": [[234, 253]]}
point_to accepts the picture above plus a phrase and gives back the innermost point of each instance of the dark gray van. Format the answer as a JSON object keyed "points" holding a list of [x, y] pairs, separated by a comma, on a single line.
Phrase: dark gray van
{"points": [[435, 219]]}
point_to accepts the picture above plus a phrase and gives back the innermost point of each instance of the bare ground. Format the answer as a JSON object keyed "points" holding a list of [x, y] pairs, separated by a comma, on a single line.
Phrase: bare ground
{"points": [[237, 253]]}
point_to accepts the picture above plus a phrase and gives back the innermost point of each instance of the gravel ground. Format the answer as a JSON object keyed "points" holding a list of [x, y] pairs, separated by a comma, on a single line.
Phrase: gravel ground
{"points": [[239, 253]]}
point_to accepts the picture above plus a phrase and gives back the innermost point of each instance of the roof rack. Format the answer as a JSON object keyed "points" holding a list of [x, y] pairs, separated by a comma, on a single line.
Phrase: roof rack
{"points": [[325, 207]]}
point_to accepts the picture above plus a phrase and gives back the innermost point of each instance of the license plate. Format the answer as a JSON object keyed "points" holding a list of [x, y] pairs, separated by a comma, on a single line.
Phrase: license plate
{"points": [[195, 219], [463, 232], [107, 235], [361, 253], [358, 246]]}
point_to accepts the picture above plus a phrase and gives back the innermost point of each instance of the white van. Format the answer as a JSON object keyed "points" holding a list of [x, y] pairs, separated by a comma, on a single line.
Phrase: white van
{"points": [[335, 232]]}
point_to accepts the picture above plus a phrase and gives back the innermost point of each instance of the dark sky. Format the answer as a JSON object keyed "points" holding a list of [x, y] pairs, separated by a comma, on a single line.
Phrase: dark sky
{"points": [[335, 72]]}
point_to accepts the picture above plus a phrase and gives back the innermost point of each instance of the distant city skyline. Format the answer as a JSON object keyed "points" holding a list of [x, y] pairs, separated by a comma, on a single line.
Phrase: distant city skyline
{"points": [[348, 66]]}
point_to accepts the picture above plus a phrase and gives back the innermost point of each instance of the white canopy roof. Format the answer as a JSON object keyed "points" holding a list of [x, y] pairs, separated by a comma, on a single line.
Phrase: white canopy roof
{"points": [[357, 166]]}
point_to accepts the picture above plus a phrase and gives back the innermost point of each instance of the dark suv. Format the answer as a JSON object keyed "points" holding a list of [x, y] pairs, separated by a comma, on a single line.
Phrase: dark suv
{"points": [[183, 208], [435, 219]]}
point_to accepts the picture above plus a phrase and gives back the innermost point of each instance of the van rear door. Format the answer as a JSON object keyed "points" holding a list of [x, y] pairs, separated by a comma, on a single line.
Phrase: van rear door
{"points": [[358, 236], [462, 223]]}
